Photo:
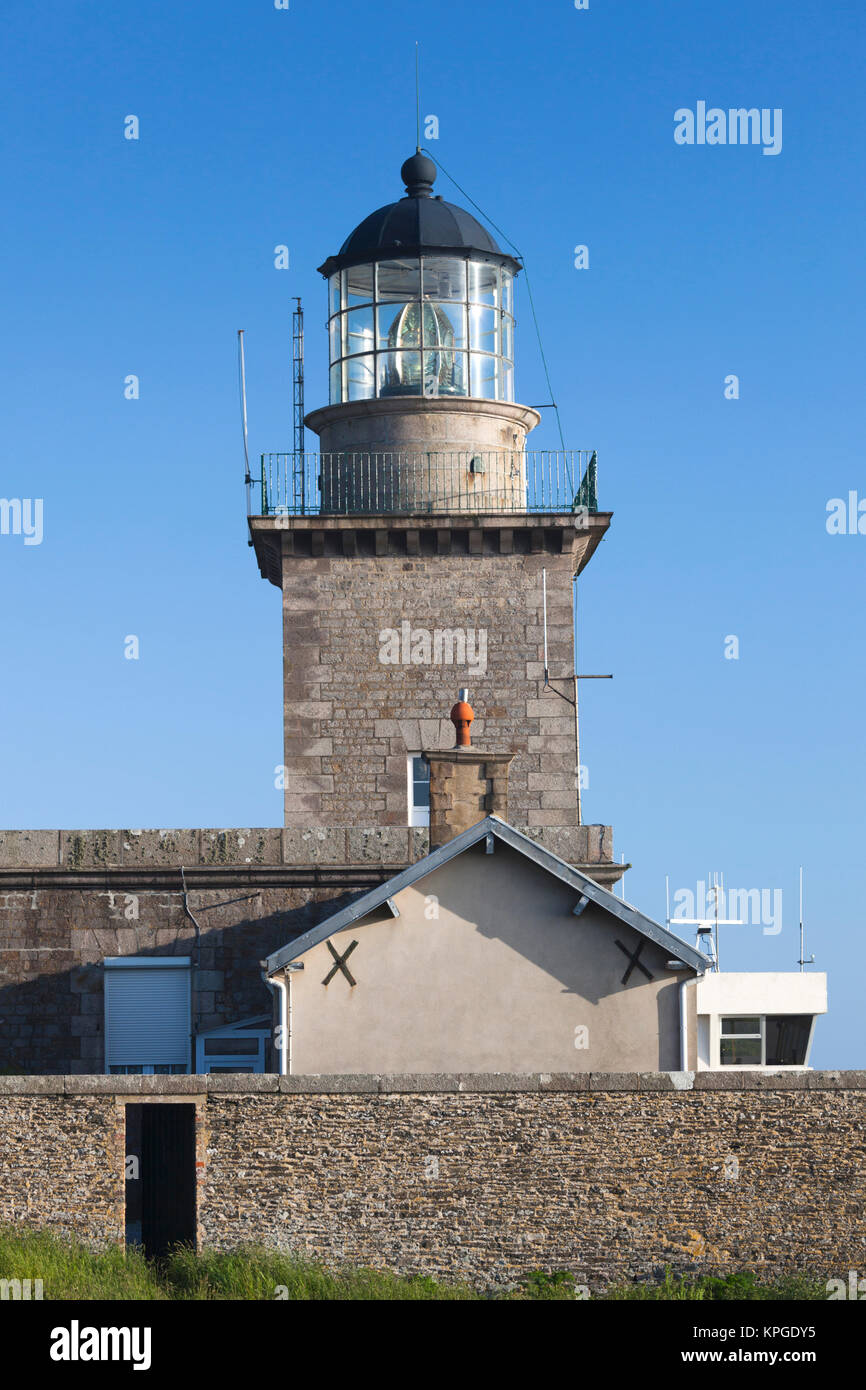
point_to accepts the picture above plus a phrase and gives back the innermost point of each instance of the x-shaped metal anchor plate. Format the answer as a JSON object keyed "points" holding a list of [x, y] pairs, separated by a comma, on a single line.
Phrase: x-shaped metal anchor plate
{"points": [[340, 963], [633, 960]]}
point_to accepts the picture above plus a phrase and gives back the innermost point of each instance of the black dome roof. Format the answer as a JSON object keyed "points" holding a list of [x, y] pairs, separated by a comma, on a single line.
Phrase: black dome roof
{"points": [[418, 222]]}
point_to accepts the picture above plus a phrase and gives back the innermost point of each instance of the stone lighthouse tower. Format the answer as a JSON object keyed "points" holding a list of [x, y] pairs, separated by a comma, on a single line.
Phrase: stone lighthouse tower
{"points": [[410, 549]]}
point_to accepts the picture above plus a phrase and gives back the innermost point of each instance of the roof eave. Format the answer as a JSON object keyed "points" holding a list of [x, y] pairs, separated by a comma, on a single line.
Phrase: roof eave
{"points": [[387, 253]]}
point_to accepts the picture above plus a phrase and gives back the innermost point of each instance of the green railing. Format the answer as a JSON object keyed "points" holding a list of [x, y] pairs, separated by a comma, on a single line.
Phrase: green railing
{"points": [[406, 482]]}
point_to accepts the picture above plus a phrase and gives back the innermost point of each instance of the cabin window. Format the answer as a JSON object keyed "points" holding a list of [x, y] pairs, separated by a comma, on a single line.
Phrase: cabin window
{"points": [[772, 1040]]}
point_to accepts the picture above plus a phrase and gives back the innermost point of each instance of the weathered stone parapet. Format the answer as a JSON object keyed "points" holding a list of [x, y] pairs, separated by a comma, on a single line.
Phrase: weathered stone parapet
{"points": [[80, 850], [211, 856], [454, 1083]]}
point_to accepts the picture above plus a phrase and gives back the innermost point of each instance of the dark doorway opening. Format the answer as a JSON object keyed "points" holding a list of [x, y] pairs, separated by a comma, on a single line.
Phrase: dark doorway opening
{"points": [[160, 1177]]}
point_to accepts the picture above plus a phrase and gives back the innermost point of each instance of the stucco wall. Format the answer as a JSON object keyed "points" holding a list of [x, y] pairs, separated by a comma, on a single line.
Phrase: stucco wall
{"points": [[485, 1178], [486, 969]]}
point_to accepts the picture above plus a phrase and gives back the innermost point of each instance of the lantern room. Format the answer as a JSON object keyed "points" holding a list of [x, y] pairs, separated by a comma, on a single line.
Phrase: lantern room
{"points": [[421, 302]]}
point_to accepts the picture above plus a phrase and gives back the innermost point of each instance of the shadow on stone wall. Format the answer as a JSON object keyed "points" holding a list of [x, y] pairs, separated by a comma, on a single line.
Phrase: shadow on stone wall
{"points": [[52, 1014]]}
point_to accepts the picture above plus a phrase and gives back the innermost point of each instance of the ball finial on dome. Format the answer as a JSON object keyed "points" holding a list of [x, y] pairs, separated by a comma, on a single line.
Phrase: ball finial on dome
{"points": [[418, 174]]}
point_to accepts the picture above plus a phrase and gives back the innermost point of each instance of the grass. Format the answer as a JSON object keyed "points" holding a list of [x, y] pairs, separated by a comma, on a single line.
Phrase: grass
{"points": [[69, 1270]]}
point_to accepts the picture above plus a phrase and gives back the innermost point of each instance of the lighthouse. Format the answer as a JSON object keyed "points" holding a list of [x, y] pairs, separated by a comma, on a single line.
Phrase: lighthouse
{"points": [[414, 548]]}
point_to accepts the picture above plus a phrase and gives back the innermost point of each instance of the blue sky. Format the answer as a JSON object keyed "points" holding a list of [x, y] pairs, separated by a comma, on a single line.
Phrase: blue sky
{"points": [[261, 127]]}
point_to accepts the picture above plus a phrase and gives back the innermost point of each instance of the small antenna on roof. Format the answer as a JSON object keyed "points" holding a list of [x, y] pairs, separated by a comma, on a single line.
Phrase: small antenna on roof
{"points": [[242, 384], [707, 937], [417, 95], [803, 961]]}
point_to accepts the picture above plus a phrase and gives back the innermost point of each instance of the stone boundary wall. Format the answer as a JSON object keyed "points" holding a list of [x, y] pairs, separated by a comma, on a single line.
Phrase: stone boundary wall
{"points": [[611, 1177]]}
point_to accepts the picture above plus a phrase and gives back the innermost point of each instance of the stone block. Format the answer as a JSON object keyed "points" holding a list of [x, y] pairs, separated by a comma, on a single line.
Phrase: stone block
{"points": [[318, 845], [614, 1081], [240, 1083], [169, 848], [29, 848], [377, 845], [90, 849]]}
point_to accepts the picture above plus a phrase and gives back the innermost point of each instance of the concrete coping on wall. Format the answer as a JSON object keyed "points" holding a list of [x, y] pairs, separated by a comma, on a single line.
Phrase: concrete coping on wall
{"points": [[502, 1083]]}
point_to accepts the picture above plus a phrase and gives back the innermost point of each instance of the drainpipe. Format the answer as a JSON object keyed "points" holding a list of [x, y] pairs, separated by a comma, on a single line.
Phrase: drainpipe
{"points": [[284, 985], [196, 1012], [684, 1027], [276, 983], [285, 1056], [684, 1023], [287, 981]]}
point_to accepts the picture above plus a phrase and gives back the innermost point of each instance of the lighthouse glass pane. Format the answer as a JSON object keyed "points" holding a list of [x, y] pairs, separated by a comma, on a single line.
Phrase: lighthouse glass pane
{"points": [[335, 394], [334, 292], [399, 374], [399, 279], [445, 374], [506, 342], [336, 331], [483, 283], [399, 325], [484, 376], [506, 382], [359, 285], [444, 325], [360, 379], [444, 278], [507, 292], [482, 328], [359, 326]]}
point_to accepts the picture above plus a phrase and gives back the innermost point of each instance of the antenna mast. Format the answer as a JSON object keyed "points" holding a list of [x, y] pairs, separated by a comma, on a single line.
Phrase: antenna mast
{"points": [[242, 385], [803, 961], [707, 926], [298, 403]]}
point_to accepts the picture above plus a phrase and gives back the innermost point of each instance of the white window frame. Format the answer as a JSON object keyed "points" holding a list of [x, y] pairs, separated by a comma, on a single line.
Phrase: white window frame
{"points": [[418, 815]]}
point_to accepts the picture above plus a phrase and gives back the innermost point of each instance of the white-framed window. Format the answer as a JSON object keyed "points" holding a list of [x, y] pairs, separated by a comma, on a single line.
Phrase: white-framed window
{"points": [[418, 773], [147, 1015], [764, 1040], [237, 1047]]}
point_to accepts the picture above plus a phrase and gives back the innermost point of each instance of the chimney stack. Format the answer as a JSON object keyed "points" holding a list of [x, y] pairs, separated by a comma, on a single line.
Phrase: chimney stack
{"points": [[466, 784]]}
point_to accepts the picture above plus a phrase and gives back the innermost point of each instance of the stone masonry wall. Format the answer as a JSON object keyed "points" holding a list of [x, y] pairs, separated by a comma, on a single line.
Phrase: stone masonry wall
{"points": [[70, 898], [351, 719], [483, 1178]]}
